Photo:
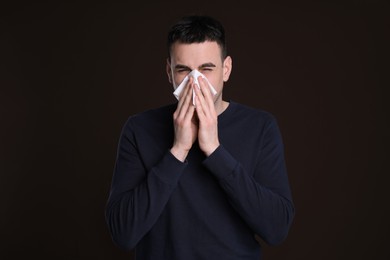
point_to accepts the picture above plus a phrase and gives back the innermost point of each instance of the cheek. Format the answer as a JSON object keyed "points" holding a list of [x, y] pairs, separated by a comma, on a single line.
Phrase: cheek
{"points": [[216, 81], [177, 79]]}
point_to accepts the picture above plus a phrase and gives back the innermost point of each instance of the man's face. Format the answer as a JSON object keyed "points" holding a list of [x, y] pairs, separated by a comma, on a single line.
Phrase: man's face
{"points": [[205, 57]]}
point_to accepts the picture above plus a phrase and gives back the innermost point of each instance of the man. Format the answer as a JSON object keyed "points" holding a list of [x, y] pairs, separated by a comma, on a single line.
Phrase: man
{"points": [[198, 179]]}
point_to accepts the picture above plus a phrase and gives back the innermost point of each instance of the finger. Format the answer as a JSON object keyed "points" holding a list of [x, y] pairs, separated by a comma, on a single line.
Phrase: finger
{"points": [[205, 89], [187, 102], [200, 101], [184, 95], [184, 92], [200, 109], [190, 113]]}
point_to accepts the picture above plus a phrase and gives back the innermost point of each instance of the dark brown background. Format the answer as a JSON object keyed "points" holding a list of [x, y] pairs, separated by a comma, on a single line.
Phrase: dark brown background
{"points": [[71, 74]]}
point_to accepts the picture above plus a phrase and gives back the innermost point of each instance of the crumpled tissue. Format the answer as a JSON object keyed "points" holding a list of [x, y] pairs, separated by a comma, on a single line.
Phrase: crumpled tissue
{"points": [[195, 74]]}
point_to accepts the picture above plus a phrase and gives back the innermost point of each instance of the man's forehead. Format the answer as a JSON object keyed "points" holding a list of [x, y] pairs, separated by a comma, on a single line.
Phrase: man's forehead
{"points": [[182, 50], [196, 55]]}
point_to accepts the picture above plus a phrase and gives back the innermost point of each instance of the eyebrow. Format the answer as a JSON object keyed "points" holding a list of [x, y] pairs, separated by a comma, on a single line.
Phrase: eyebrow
{"points": [[180, 66], [204, 65]]}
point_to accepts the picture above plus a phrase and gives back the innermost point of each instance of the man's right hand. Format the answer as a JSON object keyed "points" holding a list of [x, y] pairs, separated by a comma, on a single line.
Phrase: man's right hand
{"points": [[185, 124]]}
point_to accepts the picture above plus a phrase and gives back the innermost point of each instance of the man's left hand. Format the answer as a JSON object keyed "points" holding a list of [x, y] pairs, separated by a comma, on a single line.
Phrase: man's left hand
{"points": [[208, 118]]}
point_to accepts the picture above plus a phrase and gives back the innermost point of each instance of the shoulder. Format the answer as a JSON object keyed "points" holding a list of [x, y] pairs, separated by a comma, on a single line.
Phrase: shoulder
{"points": [[150, 120], [241, 112], [260, 121], [153, 114]]}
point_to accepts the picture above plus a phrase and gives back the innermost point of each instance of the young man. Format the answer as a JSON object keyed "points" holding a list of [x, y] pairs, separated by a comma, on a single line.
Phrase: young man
{"points": [[200, 178]]}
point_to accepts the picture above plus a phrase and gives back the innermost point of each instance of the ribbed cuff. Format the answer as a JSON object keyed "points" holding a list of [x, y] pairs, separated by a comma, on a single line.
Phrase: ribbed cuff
{"points": [[221, 163], [169, 169]]}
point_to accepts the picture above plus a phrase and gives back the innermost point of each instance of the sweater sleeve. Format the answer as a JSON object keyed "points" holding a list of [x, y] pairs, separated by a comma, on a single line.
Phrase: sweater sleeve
{"points": [[263, 199], [137, 196]]}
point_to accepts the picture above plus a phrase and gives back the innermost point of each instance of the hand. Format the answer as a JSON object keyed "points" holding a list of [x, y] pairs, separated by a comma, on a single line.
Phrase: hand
{"points": [[208, 118], [185, 125]]}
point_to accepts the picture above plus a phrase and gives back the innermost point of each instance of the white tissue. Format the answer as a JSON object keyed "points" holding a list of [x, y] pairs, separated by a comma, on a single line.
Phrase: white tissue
{"points": [[195, 74]]}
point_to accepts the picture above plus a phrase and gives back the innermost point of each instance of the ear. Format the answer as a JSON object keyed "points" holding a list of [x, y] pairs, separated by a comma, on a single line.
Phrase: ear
{"points": [[169, 71], [227, 68]]}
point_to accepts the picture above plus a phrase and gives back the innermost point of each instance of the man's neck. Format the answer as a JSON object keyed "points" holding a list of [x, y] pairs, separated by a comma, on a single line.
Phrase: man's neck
{"points": [[220, 106]]}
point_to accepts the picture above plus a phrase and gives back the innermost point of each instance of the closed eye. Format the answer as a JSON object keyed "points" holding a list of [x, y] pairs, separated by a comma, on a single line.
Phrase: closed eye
{"points": [[207, 70], [182, 70], [207, 67]]}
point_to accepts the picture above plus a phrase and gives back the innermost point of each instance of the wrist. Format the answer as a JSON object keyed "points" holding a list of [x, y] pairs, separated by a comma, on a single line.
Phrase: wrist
{"points": [[179, 153], [211, 149]]}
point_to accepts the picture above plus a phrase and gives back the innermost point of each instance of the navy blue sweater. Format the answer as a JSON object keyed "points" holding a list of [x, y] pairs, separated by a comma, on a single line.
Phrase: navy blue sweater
{"points": [[207, 207]]}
